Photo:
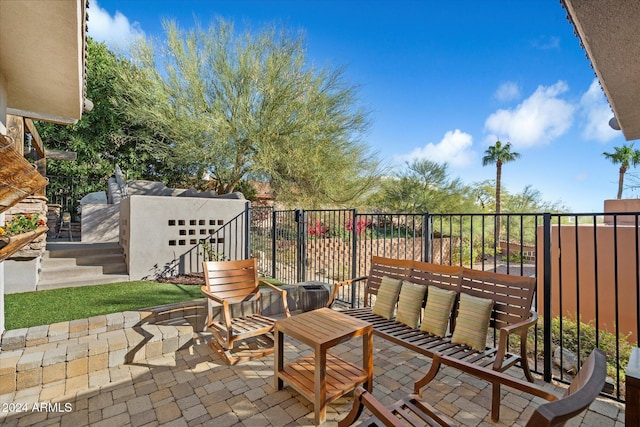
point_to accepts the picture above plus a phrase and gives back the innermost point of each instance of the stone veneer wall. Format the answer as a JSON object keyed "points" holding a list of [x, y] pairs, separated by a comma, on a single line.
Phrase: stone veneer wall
{"points": [[34, 205], [332, 257]]}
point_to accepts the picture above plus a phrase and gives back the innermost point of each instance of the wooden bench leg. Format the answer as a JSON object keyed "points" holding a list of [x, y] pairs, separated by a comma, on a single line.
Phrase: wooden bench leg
{"points": [[524, 361], [435, 367], [495, 401]]}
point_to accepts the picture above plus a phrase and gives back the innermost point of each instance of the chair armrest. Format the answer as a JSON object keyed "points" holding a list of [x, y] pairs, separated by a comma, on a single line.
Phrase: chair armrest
{"points": [[362, 398], [206, 293], [339, 285], [283, 293], [272, 286]]}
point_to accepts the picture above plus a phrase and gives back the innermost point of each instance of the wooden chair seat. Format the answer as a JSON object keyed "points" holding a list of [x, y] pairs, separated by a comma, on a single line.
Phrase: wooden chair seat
{"points": [[235, 282], [413, 411]]}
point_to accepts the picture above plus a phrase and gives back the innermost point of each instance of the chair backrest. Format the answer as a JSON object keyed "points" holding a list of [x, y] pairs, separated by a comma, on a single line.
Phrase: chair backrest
{"points": [[584, 389], [232, 280]]}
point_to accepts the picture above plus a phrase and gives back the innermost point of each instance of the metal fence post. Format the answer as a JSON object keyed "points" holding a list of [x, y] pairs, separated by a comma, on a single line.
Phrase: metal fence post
{"points": [[301, 219], [247, 229], [426, 229], [274, 237], [354, 255], [547, 336]]}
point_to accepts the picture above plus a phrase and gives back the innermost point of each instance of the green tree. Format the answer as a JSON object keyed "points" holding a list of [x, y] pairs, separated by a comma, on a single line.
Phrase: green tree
{"points": [[105, 136], [625, 156], [250, 106], [498, 154], [484, 193], [423, 186]]}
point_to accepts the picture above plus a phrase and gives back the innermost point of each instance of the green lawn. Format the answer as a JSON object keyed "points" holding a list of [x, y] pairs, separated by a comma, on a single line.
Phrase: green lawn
{"points": [[58, 305]]}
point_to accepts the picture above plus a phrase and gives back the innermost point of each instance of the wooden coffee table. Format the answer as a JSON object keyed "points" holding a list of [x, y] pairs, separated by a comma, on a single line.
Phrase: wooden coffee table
{"points": [[323, 377]]}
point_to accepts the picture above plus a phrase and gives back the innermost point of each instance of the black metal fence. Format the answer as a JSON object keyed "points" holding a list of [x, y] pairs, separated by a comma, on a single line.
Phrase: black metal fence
{"points": [[587, 267], [68, 190]]}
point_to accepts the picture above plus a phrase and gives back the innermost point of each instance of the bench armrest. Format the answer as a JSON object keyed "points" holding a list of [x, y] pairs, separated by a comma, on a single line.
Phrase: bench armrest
{"points": [[493, 376], [283, 293], [497, 379], [522, 326], [519, 328], [338, 285]]}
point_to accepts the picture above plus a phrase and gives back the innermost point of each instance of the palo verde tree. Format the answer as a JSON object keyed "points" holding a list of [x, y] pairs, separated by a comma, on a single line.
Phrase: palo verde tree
{"points": [[250, 105], [625, 156], [422, 186], [498, 154]]}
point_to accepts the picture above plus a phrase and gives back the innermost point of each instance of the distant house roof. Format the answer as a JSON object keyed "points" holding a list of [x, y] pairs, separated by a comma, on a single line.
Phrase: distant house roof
{"points": [[264, 190], [43, 58], [608, 30]]}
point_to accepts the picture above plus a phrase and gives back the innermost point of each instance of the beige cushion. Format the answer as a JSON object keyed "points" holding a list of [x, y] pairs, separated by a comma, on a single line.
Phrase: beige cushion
{"points": [[387, 296], [410, 303], [438, 310], [472, 322]]}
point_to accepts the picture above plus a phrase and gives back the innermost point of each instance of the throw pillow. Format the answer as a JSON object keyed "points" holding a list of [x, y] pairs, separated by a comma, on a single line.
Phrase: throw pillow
{"points": [[438, 310], [387, 296], [472, 322], [410, 303]]}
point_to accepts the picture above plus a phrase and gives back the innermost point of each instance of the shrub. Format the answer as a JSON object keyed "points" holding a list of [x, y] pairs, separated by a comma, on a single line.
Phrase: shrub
{"points": [[586, 339]]}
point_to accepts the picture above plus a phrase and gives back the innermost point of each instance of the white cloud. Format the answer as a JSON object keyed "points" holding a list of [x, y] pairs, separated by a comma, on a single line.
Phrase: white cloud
{"points": [[508, 91], [536, 121], [115, 31], [581, 177], [546, 42], [597, 113], [454, 149]]}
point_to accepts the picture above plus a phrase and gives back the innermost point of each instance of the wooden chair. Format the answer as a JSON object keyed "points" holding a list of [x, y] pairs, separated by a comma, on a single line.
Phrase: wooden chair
{"points": [[236, 282], [412, 411]]}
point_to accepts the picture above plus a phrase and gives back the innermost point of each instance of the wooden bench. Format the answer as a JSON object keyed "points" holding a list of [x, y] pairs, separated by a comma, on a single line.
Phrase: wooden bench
{"points": [[413, 411], [511, 314]]}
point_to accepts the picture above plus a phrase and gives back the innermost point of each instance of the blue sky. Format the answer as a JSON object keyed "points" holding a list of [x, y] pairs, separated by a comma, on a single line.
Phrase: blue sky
{"points": [[443, 80]]}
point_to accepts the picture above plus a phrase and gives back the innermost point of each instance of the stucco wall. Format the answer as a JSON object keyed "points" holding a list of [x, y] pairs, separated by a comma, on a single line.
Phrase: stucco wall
{"points": [[575, 270], [100, 223], [160, 234]]}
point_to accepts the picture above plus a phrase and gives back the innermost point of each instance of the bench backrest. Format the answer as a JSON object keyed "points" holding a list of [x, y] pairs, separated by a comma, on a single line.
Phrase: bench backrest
{"points": [[512, 295], [380, 267]]}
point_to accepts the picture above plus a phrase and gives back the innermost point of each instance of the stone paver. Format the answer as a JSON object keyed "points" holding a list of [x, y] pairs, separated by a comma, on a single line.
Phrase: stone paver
{"points": [[195, 388]]}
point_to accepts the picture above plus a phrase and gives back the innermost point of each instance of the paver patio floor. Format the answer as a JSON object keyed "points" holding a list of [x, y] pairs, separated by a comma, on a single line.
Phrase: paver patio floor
{"points": [[195, 388]]}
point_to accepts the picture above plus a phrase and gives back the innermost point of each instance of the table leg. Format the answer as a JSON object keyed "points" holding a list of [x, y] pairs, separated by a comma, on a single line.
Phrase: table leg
{"points": [[278, 359], [367, 359], [320, 386]]}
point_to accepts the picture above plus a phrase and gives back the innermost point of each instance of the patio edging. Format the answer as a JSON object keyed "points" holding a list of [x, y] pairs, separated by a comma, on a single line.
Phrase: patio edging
{"points": [[31, 357]]}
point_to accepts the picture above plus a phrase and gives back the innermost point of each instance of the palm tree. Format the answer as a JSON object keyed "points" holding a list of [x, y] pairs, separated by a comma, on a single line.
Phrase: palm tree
{"points": [[625, 156], [498, 154]]}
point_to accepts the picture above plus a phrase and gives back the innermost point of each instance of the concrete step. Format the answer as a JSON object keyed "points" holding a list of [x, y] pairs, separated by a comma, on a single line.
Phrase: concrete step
{"points": [[88, 260], [75, 282], [49, 272], [73, 264], [78, 249]]}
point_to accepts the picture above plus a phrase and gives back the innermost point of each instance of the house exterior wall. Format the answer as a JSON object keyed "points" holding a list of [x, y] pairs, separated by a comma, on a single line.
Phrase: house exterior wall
{"points": [[574, 270], [160, 235], [3, 131], [3, 105]]}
